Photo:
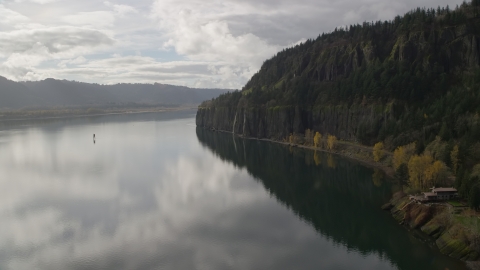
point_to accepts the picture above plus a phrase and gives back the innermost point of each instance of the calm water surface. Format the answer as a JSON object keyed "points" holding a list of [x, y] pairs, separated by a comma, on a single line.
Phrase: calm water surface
{"points": [[155, 192]]}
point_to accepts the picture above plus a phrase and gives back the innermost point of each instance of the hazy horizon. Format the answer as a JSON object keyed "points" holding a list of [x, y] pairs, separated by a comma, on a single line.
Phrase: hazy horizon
{"points": [[63, 93], [115, 83]]}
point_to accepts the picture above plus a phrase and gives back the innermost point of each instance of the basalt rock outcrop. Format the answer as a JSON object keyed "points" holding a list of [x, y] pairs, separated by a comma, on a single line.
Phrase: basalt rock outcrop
{"points": [[279, 122]]}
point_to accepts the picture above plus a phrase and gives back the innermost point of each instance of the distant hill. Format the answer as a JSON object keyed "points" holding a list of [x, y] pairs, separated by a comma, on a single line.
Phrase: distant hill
{"points": [[51, 93]]}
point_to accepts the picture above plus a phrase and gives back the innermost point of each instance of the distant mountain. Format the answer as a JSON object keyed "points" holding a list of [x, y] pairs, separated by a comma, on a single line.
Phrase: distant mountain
{"points": [[61, 93]]}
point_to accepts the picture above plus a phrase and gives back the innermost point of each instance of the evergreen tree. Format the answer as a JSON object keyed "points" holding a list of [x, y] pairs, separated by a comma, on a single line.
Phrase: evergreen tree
{"points": [[474, 196]]}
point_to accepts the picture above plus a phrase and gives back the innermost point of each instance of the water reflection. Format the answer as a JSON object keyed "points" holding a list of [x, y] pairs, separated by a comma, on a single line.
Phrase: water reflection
{"points": [[340, 199], [148, 195], [378, 177]]}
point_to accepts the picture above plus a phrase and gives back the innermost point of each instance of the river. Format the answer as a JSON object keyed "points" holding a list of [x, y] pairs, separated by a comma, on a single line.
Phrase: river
{"points": [[152, 191]]}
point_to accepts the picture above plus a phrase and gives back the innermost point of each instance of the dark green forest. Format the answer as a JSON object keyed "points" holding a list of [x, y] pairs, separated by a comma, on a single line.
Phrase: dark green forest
{"points": [[418, 75]]}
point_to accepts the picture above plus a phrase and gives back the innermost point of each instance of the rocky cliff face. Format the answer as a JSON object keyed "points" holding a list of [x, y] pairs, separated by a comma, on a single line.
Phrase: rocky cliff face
{"points": [[279, 122]]}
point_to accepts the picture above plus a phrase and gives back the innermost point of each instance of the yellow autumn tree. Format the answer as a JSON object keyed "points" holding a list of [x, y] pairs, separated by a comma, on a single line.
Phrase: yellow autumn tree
{"points": [[331, 141], [417, 167], [402, 155], [399, 157], [317, 140], [454, 159], [436, 174], [378, 151]]}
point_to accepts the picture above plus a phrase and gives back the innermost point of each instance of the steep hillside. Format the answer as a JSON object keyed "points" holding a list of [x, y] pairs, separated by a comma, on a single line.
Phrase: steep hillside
{"points": [[365, 82], [415, 78]]}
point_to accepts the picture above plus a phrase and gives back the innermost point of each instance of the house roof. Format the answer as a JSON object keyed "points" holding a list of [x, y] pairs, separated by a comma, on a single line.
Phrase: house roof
{"points": [[429, 194]]}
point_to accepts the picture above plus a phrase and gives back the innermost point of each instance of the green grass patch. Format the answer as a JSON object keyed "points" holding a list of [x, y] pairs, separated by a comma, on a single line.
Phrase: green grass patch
{"points": [[470, 222], [456, 204]]}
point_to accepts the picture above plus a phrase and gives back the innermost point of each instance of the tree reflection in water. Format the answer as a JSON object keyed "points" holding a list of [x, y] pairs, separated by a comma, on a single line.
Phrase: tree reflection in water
{"points": [[339, 198]]}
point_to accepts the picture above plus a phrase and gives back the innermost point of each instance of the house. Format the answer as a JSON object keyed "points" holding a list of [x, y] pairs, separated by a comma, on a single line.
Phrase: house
{"points": [[436, 194], [441, 194]]}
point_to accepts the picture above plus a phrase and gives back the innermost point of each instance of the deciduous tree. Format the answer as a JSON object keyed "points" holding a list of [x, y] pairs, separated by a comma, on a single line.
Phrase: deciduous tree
{"points": [[317, 140], [378, 151], [331, 142], [402, 155], [436, 173], [417, 166]]}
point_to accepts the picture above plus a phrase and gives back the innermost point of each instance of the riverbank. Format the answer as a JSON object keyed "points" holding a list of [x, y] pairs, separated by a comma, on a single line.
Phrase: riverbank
{"points": [[70, 113], [359, 153], [353, 151], [443, 222]]}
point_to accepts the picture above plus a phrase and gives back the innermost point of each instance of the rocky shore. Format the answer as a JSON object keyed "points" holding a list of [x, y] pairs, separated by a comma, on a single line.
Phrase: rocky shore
{"points": [[437, 221]]}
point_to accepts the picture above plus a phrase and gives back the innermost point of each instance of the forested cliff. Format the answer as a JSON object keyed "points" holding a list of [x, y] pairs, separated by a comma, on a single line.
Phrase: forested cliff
{"points": [[415, 78]]}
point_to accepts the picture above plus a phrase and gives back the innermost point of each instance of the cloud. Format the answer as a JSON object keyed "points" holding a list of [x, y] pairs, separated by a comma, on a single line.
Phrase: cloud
{"points": [[95, 19], [141, 69], [54, 41], [29, 48], [230, 39], [42, 2], [9, 17], [120, 61], [121, 10], [196, 30], [76, 61]]}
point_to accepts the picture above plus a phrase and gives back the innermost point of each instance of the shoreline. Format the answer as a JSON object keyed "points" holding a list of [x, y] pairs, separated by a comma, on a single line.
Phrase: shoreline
{"points": [[77, 114], [437, 221], [367, 163], [344, 149]]}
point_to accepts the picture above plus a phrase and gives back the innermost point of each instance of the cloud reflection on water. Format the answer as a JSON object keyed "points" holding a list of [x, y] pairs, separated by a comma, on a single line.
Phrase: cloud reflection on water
{"points": [[145, 196]]}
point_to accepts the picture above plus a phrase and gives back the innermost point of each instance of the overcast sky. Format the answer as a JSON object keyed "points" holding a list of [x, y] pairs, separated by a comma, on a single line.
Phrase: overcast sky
{"points": [[198, 43]]}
